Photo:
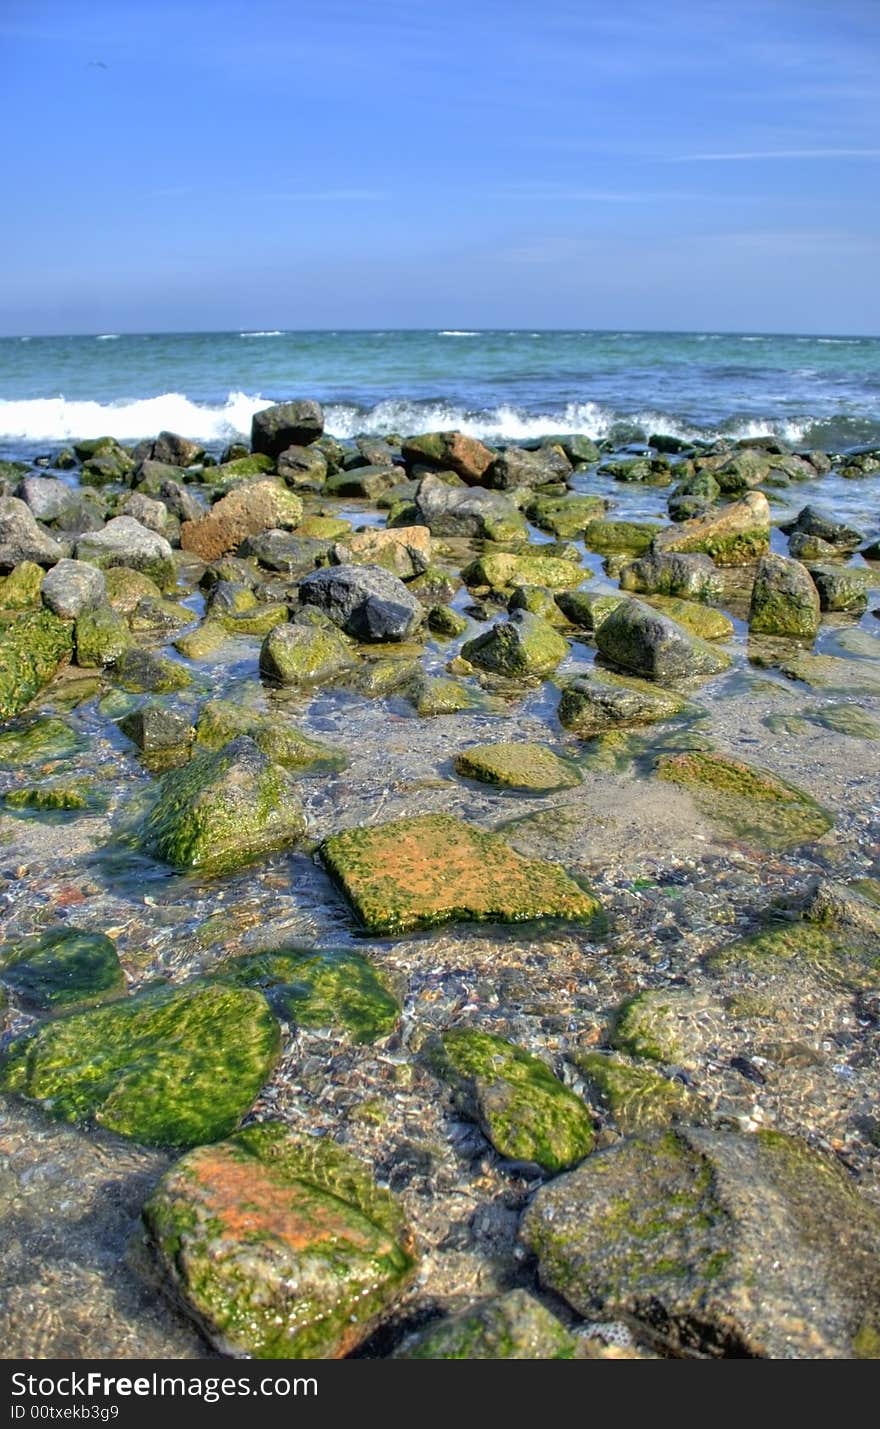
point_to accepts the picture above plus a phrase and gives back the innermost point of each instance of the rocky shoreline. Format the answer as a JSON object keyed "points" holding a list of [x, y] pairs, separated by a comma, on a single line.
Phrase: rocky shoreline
{"points": [[442, 898]]}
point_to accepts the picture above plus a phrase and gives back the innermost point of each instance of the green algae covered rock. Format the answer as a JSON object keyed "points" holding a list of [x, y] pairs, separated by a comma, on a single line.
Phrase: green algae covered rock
{"points": [[522, 1108], [844, 957], [37, 742], [21, 588], [784, 599], [503, 570], [62, 969], [655, 1024], [224, 810], [434, 695], [60, 795], [845, 719], [443, 620], [524, 645], [638, 1098], [566, 516], [518, 766], [587, 609], [419, 872], [594, 703], [203, 642], [102, 636], [723, 1244], [220, 721], [750, 803], [697, 618], [607, 537], [32, 646], [319, 988], [280, 1245], [145, 672], [169, 1067], [514, 1326], [304, 655], [646, 642], [734, 535]]}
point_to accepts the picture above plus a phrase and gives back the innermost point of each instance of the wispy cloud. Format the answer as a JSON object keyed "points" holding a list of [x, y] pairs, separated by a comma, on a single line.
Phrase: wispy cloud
{"points": [[739, 156]]}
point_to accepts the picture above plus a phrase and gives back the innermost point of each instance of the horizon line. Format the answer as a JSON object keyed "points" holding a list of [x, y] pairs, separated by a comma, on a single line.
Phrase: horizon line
{"points": [[431, 330]]}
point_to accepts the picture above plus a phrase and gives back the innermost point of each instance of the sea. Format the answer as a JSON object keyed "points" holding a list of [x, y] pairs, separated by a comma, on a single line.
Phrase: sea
{"points": [[816, 392]]}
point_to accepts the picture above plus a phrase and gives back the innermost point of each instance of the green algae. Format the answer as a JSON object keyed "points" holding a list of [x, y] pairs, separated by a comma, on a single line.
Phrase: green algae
{"points": [[38, 742], [319, 988], [638, 1098], [503, 570], [102, 637], [513, 765], [32, 647], [748, 803], [220, 721], [515, 1326], [62, 969], [524, 646], [843, 957]]}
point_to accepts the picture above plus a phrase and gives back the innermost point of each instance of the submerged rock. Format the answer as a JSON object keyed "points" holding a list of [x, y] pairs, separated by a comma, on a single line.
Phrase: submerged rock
{"points": [[600, 701], [642, 640], [841, 956], [518, 766], [62, 969], [784, 599], [224, 810], [281, 1245], [514, 1326], [521, 1107], [37, 741], [220, 721], [638, 1098], [367, 602], [169, 1066], [524, 645], [319, 987], [750, 803], [719, 1243], [418, 872]]}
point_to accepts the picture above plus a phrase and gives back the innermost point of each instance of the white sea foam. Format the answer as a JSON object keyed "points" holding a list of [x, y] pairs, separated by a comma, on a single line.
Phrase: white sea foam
{"points": [[107, 337], [457, 332], [275, 332], [48, 419]]}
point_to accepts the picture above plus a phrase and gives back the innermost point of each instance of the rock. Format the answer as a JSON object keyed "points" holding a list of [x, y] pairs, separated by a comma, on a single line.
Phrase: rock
{"points": [[220, 721], [462, 511], [842, 958], [101, 636], [443, 620], [32, 648], [155, 727], [726, 1244], [693, 496], [112, 464], [280, 1245], [53, 796], [174, 450], [249, 510], [61, 970], [171, 1066], [451, 451], [48, 498], [152, 514], [21, 539], [514, 1326], [432, 695], [37, 741], [524, 645], [597, 702], [517, 766], [325, 528], [689, 577], [149, 477], [203, 642], [517, 467], [366, 483], [224, 810], [302, 655], [697, 618], [371, 451], [750, 803], [784, 599], [539, 601], [158, 619], [405, 551], [651, 471], [734, 535], [566, 516], [811, 521], [435, 585], [845, 719], [419, 872], [519, 1105], [125, 542], [72, 587], [367, 602], [303, 468], [294, 556], [502, 570], [126, 589], [288, 424], [631, 536], [312, 987], [587, 609], [804, 547], [644, 642], [20, 590], [656, 1024], [637, 1097], [842, 587], [841, 905]]}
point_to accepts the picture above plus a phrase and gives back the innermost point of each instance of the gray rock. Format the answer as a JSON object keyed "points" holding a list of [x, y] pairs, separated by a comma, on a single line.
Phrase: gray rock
{"points": [[641, 640], [667, 573], [367, 602], [281, 551], [21, 539], [72, 587], [466, 511], [288, 424], [155, 727], [810, 521], [48, 498], [784, 600], [125, 542], [596, 702], [303, 468], [842, 587], [151, 514], [517, 467]]}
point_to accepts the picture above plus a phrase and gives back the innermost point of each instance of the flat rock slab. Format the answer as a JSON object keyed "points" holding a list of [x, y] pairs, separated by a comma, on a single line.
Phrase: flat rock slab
{"points": [[518, 766], [169, 1067], [281, 1246], [750, 803], [599, 701], [721, 1244], [416, 873]]}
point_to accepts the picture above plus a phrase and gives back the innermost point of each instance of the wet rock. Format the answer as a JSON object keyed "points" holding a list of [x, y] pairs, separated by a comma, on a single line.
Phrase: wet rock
{"points": [[844, 957], [159, 619], [631, 536], [516, 467], [293, 555], [694, 616], [594, 703], [249, 510], [111, 464], [61, 970], [784, 599], [313, 987], [842, 587], [514, 1326], [811, 521], [224, 810], [169, 1066], [638, 1098], [59, 795], [502, 570], [125, 542], [404, 550], [32, 648], [145, 672], [520, 1106], [461, 511], [750, 803], [303, 468], [518, 766], [220, 721], [539, 601], [367, 602], [433, 695], [566, 516], [173, 450], [647, 643], [694, 496], [280, 1245], [587, 609], [127, 588], [719, 1243], [72, 587], [156, 727], [845, 719], [691, 577], [839, 905], [102, 636], [287, 424], [443, 620], [37, 741], [21, 539], [657, 1024], [524, 645], [431, 869], [804, 547], [325, 528], [293, 654], [366, 483], [451, 451], [20, 590], [734, 535]]}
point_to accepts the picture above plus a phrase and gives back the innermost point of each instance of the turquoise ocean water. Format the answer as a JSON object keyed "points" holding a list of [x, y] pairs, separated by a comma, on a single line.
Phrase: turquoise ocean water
{"points": [[814, 391]]}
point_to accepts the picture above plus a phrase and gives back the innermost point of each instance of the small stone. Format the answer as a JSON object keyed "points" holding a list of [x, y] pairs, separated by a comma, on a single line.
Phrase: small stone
{"points": [[72, 587], [518, 766]]}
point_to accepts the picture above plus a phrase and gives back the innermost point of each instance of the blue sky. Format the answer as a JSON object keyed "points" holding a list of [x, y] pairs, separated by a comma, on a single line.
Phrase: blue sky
{"points": [[374, 163]]}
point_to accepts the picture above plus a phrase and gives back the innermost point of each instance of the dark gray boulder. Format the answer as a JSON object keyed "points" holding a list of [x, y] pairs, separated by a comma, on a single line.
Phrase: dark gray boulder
{"points": [[367, 602], [288, 424]]}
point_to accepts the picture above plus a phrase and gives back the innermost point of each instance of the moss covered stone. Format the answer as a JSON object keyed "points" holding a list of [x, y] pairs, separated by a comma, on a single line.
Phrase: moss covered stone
{"points": [[514, 1326], [587, 609], [102, 636], [600, 701], [784, 599], [37, 741], [653, 1024], [701, 620], [320, 988], [304, 655], [443, 620], [645, 642], [610, 536], [170, 1066], [281, 1246], [638, 1098], [434, 695], [844, 957], [21, 588], [325, 528], [418, 872], [514, 765], [203, 642], [846, 719], [127, 588], [220, 721], [32, 646], [55, 796], [734, 535], [502, 570], [62, 969], [224, 810], [748, 802], [566, 516], [522, 1108], [523, 646], [723, 1244], [145, 672]]}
